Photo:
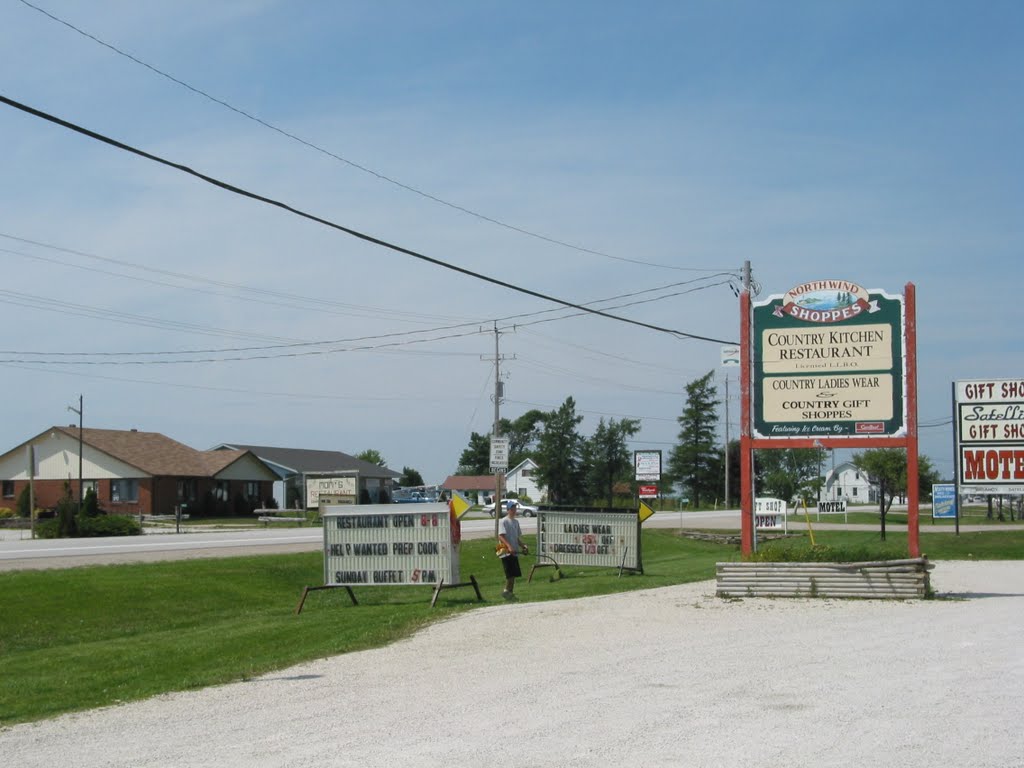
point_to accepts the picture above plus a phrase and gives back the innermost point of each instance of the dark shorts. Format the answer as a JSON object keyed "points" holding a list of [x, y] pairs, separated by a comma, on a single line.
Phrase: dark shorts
{"points": [[511, 566]]}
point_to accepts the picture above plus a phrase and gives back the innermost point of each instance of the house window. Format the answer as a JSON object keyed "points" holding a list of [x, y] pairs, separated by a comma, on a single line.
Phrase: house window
{"points": [[522, 492], [124, 490], [526, 472], [252, 490], [90, 485], [221, 490], [186, 489], [8, 489], [853, 492], [839, 491]]}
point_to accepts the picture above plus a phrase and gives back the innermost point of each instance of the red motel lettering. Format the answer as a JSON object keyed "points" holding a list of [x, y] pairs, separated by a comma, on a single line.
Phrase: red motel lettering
{"points": [[994, 464]]}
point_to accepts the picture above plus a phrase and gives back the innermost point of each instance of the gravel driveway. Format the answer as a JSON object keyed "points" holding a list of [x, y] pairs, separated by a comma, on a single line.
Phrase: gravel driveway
{"points": [[665, 677]]}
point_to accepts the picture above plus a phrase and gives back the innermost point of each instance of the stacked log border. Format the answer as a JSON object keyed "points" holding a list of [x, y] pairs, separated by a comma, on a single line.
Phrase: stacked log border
{"points": [[886, 579]]}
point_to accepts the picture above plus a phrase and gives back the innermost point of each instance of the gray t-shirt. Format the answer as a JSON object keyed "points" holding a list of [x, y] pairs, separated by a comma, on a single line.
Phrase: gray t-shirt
{"points": [[510, 529]]}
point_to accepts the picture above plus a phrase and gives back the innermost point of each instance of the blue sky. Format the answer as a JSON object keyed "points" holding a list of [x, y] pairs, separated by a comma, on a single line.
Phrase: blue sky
{"points": [[874, 142]]}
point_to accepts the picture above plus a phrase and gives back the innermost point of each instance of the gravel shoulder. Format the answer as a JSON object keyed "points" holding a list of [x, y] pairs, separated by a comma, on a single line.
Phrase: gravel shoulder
{"points": [[663, 677]]}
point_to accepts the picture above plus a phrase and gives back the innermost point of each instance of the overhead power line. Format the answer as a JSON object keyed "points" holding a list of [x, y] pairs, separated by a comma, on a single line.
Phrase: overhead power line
{"points": [[238, 358], [346, 161], [347, 230], [290, 300]]}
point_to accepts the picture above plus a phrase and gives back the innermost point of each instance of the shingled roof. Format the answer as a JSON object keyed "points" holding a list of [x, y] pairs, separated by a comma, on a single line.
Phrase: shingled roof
{"points": [[154, 453], [469, 483], [306, 460]]}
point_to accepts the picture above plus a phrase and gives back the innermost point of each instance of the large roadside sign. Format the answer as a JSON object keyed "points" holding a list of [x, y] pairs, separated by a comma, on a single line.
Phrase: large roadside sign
{"points": [[829, 362], [579, 538], [373, 544], [989, 416], [647, 466], [333, 487]]}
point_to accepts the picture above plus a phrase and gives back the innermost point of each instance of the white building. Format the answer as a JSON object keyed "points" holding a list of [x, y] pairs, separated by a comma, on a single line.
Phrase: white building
{"points": [[522, 480], [846, 482]]}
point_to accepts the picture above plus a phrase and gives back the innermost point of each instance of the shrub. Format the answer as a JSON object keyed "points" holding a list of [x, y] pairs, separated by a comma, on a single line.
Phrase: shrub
{"points": [[22, 504], [5, 513], [67, 508], [47, 529], [102, 525], [804, 552], [90, 504], [108, 525]]}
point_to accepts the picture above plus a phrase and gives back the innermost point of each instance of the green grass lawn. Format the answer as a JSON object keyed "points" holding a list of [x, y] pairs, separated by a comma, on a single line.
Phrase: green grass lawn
{"points": [[86, 637]]}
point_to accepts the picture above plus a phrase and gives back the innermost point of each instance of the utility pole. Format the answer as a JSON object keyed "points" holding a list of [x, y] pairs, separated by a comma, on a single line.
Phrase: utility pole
{"points": [[499, 395], [79, 410], [32, 489]]}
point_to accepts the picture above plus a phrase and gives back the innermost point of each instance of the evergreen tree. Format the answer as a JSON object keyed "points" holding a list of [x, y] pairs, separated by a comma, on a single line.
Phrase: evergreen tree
{"points": [[607, 458], [696, 461], [559, 454], [67, 509], [90, 505], [23, 503]]}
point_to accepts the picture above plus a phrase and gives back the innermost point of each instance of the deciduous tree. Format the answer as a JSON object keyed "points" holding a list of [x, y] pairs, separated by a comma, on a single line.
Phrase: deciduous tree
{"points": [[410, 478], [373, 456], [790, 473], [888, 468]]}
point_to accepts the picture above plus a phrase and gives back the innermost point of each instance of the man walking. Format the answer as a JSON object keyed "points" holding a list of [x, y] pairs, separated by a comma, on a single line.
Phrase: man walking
{"points": [[509, 536]]}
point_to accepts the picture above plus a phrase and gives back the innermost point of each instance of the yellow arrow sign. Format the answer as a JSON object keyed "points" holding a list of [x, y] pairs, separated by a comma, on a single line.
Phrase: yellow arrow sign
{"points": [[645, 512], [460, 504]]}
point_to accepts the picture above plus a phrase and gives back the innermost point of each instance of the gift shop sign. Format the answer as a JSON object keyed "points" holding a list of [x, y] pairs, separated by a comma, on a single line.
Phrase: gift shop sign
{"points": [[829, 361], [990, 435]]}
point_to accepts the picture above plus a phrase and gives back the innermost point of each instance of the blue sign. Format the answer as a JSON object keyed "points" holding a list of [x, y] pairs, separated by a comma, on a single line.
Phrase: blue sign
{"points": [[944, 500]]}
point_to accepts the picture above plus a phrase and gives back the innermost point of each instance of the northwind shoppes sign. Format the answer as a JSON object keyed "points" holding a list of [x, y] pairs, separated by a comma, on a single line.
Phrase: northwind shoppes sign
{"points": [[829, 361]]}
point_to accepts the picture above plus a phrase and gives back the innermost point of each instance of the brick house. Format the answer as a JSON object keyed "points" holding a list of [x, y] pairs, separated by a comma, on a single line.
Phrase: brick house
{"points": [[135, 473]]}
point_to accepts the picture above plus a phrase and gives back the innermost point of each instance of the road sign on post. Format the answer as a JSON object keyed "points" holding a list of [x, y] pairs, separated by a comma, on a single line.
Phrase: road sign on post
{"points": [[499, 454], [647, 465]]}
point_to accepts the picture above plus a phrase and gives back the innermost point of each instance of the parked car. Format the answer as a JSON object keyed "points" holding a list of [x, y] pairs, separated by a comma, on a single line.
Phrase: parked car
{"points": [[524, 509]]}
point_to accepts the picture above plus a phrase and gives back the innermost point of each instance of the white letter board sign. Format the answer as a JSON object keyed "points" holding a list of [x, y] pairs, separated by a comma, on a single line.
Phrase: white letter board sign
{"points": [[769, 514], [608, 539], [375, 544]]}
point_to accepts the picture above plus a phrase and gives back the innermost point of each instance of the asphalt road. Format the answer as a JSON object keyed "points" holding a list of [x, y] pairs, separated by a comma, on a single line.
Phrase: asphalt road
{"points": [[18, 552]]}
